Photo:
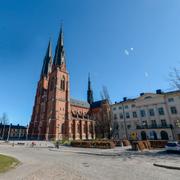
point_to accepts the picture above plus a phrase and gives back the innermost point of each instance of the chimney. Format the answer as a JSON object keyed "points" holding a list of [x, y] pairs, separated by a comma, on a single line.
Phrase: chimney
{"points": [[158, 91], [124, 98]]}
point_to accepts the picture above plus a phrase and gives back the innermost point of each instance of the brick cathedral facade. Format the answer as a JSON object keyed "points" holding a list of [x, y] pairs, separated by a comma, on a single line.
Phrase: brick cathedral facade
{"points": [[55, 115]]}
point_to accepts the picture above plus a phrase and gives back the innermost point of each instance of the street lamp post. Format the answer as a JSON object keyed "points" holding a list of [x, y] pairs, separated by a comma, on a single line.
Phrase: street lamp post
{"points": [[124, 118], [19, 133], [3, 130], [47, 132], [27, 132], [9, 132]]}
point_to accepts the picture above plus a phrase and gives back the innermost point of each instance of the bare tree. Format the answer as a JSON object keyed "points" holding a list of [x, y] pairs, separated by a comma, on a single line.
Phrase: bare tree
{"points": [[175, 78], [103, 124], [105, 94], [4, 119], [102, 96]]}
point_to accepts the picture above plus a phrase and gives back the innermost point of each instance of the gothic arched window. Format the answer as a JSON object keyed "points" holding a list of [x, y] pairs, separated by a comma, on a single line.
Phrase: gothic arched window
{"points": [[90, 128], [62, 83], [63, 128], [52, 84], [78, 127], [72, 128], [84, 127]]}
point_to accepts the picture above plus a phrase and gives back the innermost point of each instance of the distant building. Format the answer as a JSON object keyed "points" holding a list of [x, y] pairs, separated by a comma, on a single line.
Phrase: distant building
{"points": [[149, 116], [13, 132]]}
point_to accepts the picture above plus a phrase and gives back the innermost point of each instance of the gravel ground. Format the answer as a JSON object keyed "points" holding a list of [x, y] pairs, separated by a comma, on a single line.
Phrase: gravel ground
{"points": [[88, 164]]}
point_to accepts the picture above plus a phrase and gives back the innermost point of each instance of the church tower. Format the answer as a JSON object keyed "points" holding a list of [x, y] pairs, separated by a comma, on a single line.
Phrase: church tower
{"points": [[89, 92], [37, 126], [58, 106]]}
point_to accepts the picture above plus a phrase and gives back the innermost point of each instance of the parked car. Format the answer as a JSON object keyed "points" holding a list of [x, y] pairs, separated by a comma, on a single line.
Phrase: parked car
{"points": [[173, 146]]}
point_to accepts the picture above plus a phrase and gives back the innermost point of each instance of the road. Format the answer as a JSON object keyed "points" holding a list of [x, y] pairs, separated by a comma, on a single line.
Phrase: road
{"points": [[87, 164]]}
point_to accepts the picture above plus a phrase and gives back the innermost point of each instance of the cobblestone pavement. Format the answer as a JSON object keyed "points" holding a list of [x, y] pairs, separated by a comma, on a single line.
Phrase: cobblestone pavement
{"points": [[88, 164]]}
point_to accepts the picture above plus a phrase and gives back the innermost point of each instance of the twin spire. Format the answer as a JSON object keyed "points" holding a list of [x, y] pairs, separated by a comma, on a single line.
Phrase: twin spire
{"points": [[59, 58], [47, 64], [89, 92]]}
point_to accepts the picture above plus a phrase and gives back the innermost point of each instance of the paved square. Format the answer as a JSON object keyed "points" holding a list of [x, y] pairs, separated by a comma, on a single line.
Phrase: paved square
{"points": [[77, 163]]}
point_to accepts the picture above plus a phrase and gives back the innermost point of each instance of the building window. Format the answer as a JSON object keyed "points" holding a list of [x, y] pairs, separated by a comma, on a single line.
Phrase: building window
{"points": [[52, 84], [173, 110], [161, 111], [144, 123], [121, 115], [43, 107], [116, 126], [120, 107], [129, 126], [153, 123], [134, 114], [151, 112], [115, 116], [170, 99], [78, 128], [114, 108], [62, 128], [90, 128], [163, 123], [143, 113], [127, 115], [84, 127], [62, 86], [126, 107], [177, 123], [133, 105]]}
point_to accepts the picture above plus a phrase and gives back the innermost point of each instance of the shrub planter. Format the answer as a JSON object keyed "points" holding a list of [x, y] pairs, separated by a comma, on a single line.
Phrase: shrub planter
{"points": [[93, 144]]}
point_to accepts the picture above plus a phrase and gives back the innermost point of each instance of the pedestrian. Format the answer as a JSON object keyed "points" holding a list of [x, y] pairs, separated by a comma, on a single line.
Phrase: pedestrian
{"points": [[57, 144]]}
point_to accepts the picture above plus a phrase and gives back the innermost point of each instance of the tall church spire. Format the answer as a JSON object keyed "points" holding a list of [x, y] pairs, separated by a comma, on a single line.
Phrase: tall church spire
{"points": [[59, 58], [47, 64], [90, 91]]}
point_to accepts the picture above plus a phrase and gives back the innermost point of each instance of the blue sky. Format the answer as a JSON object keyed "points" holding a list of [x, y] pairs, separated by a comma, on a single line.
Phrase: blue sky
{"points": [[129, 46]]}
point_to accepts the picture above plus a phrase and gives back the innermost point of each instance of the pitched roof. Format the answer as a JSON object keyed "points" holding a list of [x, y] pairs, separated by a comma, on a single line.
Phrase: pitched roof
{"points": [[12, 126], [97, 104], [76, 102]]}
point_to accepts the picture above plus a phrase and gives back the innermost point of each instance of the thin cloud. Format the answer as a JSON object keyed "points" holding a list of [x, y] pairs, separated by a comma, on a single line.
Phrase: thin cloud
{"points": [[146, 74], [126, 52]]}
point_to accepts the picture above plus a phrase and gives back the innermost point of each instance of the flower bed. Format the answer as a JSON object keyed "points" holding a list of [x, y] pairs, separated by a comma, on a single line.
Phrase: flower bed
{"points": [[93, 144], [152, 144], [158, 143]]}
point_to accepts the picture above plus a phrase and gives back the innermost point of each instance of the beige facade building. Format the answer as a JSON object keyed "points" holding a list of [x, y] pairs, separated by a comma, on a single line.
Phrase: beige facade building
{"points": [[149, 116]]}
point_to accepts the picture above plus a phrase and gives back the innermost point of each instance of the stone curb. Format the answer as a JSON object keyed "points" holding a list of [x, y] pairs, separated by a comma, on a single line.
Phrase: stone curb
{"points": [[88, 153], [167, 166]]}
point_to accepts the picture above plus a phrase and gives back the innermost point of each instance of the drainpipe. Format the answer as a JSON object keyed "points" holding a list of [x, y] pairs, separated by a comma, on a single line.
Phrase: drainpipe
{"points": [[167, 109], [125, 125]]}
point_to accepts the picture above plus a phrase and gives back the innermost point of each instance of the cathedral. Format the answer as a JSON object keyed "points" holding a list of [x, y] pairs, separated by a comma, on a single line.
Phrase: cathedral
{"points": [[55, 114]]}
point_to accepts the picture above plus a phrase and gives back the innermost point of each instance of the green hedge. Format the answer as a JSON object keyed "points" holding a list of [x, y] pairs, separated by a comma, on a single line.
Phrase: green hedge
{"points": [[93, 144]]}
